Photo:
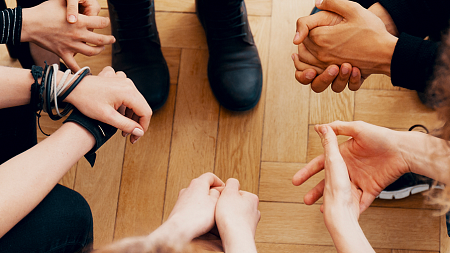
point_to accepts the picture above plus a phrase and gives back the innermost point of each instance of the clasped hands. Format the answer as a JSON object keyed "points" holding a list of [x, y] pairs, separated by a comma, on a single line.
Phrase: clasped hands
{"points": [[344, 43], [208, 201]]}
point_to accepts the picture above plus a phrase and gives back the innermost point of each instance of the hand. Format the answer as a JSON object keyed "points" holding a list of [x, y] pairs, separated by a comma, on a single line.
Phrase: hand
{"points": [[320, 79], [372, 156], [46, 26], [340, 195], [341, 198], [384, 15], [194, 211], [360, 38], [88, 8], [237, 216], [100, 97]]}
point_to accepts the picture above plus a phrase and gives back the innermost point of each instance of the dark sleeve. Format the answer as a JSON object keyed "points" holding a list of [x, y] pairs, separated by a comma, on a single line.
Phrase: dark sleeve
{"points": [[420, 18], [413, 62], [11, 26]]}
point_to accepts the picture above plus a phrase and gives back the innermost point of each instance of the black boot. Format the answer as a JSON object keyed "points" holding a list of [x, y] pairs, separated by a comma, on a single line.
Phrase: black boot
{"points": [[234, 67], [137, 50]]}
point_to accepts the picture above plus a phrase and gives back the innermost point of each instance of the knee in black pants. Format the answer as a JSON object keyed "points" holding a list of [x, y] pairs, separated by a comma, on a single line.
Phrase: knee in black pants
{"points": [[62, 222]]}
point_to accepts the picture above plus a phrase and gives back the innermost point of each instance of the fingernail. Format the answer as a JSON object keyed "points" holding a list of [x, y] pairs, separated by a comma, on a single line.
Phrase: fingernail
{"points": [[133, 142], [297, 36], [323, 129], [319, 2], [72, 19], [309, 75], [344, 71], [333, 71], [293, 57], [137, 132], [354, 73]]}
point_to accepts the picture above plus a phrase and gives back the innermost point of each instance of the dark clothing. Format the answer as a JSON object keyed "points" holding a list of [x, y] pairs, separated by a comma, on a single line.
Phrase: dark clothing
{"points": [[414, 58], [62, 222]]}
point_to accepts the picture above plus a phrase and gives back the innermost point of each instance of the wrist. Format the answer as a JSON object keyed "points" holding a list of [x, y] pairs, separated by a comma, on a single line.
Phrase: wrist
{"points": [[387, 46], [237, 240], [171, 233], [27, 24]]}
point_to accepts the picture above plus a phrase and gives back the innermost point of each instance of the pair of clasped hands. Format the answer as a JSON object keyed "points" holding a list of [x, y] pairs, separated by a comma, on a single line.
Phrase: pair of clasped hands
{"points": [[343, 44], [66, 28], [208, 201]]}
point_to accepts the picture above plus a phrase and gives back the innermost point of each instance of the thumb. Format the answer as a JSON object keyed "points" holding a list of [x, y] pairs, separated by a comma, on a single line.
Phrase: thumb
{"points": [[306, 24], [72, 11], [329, 140], [232, 184], [125, 124], [345, 8]]}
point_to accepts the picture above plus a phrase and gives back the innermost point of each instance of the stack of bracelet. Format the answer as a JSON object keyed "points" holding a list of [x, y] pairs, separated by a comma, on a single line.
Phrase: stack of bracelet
{"points": [[11, 22], [42, 95]]}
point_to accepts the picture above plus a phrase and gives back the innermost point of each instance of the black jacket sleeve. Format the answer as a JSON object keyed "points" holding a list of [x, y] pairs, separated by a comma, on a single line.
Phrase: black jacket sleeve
{"points": [[414, 58]]}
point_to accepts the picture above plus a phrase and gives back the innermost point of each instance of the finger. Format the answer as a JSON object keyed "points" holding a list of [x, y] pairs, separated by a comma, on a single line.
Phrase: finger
{"points": [[344, 8], [107, 71], [72, 11], [98, 39], [232, 184], [321, 208], [356, 80], [299, 65], [305, 77], [117, 120], [91, 7], [88, 50], [121, 74], [314, 194], [322, 81], [214, 193], [312, 168], [305, 56], [329, 141], [122, 110], [305, 24], [181, 192], [219, 188], [134, 138], [351, 129], [129, 113], [93, 22], [70, 62], [342, 79], [211, 179], [366, 201]]}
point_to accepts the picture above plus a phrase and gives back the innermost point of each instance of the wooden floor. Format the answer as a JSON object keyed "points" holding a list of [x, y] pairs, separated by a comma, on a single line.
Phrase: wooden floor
{"points": [[132, 188]]}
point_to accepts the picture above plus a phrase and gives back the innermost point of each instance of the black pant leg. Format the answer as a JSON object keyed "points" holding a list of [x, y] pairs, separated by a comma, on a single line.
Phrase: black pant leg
{"points": [[62, 222], [29, 3], [17, 131]]}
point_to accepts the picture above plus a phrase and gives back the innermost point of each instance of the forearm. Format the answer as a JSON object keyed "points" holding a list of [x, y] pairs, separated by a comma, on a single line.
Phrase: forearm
{"points": [[346, 232], [350, 238], [426, 155], [15, 85], [239, 241], [27, 178]]}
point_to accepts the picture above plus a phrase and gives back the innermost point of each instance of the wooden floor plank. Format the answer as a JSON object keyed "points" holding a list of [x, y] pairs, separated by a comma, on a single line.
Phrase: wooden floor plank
{"points": [[287, 102], [384, 227], [393, 109], [142, 191], [276, 182], [291, 248], [378, 82], [445, 239], [239, 138], [329, 106], [195, 126], [100, 187]]}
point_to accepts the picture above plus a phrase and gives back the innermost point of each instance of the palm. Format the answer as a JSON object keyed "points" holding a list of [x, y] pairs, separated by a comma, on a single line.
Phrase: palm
{"points": [[373, 163]]}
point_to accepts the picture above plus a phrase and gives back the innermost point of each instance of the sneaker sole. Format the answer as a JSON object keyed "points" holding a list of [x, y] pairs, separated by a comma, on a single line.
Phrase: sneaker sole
{"points": [[401, 194]]}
